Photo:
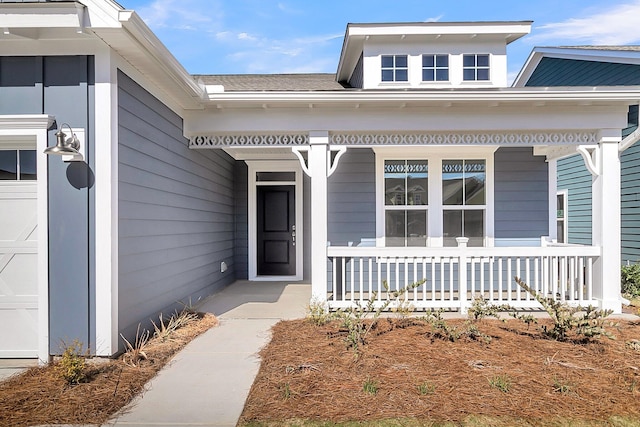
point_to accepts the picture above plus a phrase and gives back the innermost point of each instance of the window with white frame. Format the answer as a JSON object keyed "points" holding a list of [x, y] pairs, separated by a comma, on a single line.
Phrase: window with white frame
{"points": [[17, 165], [435, 68], [406, 186], [395, 68], [475, 67], [561, 216], [463, 201]]}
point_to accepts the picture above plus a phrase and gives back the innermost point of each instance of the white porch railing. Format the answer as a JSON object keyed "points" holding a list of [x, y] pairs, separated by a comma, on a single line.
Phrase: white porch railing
{"points": [[562, 272]]}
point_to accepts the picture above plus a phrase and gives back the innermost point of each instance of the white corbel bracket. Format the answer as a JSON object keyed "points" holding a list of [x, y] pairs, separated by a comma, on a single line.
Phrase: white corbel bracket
{"points": [[332, 160], [591, 156]]}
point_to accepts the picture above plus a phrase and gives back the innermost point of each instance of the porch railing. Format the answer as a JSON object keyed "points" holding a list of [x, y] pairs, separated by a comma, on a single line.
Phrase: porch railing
{"points": [[456, 276]]}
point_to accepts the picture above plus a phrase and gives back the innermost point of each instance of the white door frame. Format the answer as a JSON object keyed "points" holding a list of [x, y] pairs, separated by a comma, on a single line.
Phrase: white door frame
{"points": [[34, 128], [255, 166]]}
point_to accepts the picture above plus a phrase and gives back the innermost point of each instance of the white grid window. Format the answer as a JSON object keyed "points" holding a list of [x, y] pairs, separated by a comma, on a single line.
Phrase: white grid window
{"points": [[475, 67], [395, 68], [435, 68]]}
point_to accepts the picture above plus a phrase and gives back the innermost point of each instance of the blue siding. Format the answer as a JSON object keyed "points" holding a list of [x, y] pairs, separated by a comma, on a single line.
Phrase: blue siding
{"points": [[62, 86], [572, 72], [176, 211], [521, 194], [630, 197], [574, 177], [352, 198]]}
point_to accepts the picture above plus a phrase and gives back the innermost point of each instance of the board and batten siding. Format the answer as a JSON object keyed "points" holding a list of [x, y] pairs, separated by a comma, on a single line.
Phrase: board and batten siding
{"points": [[63, 87], [352, 199], [574, 177], [176, 211], [630, 208], [521, 208]]}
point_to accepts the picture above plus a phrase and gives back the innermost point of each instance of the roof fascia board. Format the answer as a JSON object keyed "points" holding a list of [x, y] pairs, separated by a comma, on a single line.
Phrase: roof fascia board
{"points": [[579, 96], [42, 15], [510, 30], [155, 49]]}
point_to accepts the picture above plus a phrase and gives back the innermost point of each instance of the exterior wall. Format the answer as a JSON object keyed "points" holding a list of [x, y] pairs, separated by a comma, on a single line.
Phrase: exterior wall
{"points": [[356, 79], [574, 177], [352, 199], [62, 86], [521, 196], [572, 72], [176, 211], [630, 195], [415, 50]]}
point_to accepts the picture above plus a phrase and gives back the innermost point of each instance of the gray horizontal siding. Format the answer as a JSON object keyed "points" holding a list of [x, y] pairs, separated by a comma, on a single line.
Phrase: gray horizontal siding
{"points": [[574, 177], [352, 198], [521, 194], [573, 72], [630, 198], [176, 211]]}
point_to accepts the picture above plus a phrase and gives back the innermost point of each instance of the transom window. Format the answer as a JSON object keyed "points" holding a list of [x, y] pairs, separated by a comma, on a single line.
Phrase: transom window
{"points": [[406, 186], [475, 67], [435, 68], [395, 68], [17, 165], [464, 201]]}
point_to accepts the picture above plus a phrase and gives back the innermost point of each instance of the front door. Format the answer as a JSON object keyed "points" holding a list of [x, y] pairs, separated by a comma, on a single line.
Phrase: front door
{"points": [[276, 239]]}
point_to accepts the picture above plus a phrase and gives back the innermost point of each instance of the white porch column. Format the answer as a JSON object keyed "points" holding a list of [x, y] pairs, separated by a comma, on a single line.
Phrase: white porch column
{"points": [[606, 223], [318, 168]]}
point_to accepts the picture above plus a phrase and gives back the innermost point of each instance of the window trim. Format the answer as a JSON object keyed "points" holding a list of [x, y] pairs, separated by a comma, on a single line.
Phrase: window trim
{"points": [[435, 156], [475, 68], [435, 68], [395, 68], [565, 216]]}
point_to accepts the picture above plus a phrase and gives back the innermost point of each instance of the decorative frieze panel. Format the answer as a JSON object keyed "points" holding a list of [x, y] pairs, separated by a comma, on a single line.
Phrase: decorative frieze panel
{"points": [[248, 140], [459, 138], [386, 139]]}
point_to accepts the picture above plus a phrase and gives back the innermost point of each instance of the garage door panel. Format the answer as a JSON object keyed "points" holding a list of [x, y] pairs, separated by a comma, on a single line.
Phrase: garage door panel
{"points": [[19, 276], [18, 270], [21, 338]]}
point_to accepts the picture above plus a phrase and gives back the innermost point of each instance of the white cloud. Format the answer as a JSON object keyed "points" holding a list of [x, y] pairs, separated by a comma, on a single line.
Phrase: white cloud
{"points": [[434, 19], [614, 25], [287, 9], [180, 14]]}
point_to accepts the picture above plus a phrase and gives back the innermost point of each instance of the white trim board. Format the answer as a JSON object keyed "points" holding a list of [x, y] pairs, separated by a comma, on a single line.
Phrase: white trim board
{"points": [[274, 166]]}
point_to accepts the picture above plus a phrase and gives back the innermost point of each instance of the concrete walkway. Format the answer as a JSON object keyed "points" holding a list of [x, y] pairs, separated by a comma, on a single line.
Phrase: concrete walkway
{"points": [[207, 383]]}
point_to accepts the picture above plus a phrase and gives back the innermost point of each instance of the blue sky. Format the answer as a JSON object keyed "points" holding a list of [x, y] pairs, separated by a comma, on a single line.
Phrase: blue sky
{"points": [[299, 36]]}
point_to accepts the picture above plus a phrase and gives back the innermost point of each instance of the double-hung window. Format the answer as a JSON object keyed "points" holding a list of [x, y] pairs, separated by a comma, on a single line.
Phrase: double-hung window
{"points": [[406, 186], [463, 201], [435, 68], [395, 68], [17, 165], [475, 67]]}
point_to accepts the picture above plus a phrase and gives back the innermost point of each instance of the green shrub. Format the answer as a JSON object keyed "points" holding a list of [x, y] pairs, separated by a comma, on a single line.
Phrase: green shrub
{"points": [[71, 366], [630, 280]]}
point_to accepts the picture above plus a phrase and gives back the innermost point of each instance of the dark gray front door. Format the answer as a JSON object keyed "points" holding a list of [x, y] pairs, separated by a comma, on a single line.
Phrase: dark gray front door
{"points": [[276, 230]]}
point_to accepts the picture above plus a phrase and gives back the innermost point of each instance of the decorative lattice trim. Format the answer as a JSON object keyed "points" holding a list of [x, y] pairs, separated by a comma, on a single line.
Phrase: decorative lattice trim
{"points": [[211, 141], [456, 138]]}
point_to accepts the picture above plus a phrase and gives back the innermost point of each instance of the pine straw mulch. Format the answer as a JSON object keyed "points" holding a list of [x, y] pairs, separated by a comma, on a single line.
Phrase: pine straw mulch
{"points": [[308, 373], [39, 396]]}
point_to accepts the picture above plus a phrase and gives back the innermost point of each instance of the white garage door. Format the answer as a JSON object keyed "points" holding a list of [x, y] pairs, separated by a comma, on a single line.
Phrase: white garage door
{"points": [[18, 254]]}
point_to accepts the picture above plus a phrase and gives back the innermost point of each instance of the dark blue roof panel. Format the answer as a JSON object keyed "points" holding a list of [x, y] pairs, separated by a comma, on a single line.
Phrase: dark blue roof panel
{"points": [[572, 72]]}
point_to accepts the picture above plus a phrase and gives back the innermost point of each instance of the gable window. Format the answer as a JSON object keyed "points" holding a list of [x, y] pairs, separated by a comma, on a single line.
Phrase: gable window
{"points": [[464, 201], [406, 186], [17, 165], [395, 68], [435, 68], [475, 67]]}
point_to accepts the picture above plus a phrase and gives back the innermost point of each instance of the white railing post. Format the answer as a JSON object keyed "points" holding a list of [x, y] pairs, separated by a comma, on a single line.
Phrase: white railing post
{"points": [[462, 275]]}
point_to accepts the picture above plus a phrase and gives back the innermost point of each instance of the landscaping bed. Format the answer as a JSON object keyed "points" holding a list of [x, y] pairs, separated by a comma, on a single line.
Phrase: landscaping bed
{"points": [[412, 372], [42, 395]]}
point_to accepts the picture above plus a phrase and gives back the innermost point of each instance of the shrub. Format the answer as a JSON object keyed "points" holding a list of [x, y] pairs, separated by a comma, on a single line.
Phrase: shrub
{"points": [[71, 366], [318, 313], [630, 280], [588, 322]]}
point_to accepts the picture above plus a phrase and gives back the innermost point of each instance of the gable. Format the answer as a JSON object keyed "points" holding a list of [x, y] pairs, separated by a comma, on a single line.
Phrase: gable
{"points": [[572, 72]]}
